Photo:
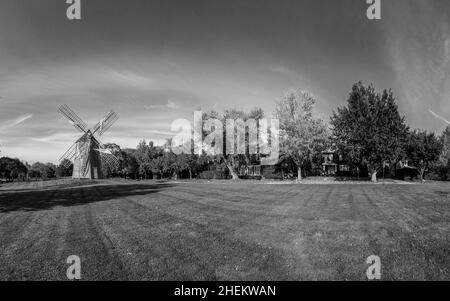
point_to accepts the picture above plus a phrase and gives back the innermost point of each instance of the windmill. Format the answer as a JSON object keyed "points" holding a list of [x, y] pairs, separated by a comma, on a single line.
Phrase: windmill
{"points": [[87, 152]]}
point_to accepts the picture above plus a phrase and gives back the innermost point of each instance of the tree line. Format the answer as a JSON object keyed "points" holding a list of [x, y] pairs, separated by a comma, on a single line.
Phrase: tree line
{"points": [[368, 134], [14, 169]]}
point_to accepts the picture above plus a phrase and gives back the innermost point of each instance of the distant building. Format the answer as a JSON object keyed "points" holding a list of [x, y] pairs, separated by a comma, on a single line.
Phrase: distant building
{"points": [[250, 171], [404, 170], [333, 164], [329, 167]]}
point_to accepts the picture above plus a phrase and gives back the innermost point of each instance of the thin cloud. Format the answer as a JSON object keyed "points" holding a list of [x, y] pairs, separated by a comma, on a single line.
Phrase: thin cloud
{"points": [[286, 72], [169, 105], [420, 61], [164, 133], [439, 117], [280, 69], [16, 121], [55, 138]]}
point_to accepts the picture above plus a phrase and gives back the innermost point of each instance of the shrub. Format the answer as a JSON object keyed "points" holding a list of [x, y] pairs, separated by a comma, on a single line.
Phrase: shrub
{"points": [[439, 173], [213, 174], [271, 172]]}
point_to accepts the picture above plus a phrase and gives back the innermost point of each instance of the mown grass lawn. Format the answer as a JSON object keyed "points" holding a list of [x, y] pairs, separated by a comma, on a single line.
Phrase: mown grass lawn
{"points": [[241, 231]]}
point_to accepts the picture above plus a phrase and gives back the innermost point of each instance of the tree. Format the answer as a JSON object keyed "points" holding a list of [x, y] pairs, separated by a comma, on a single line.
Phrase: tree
{"points": [[191, 163], [301, 133], [50, 170], [234, 161], [161, 165], [43, 171], [445, 140], [423, 149], [370, 129], [64, 169], [129, 165], [12, 168], [33, 173], [143, 159]]}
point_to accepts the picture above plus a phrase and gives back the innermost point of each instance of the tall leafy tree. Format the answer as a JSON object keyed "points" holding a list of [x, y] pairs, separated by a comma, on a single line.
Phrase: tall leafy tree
{"points": [[129, 165], [144, 154], [370, 129], [12, 168], [185, 162], [301, 132], [234, 161], [112, 170], [43, 171], [424, 150], [64, 169], [445, 155]]}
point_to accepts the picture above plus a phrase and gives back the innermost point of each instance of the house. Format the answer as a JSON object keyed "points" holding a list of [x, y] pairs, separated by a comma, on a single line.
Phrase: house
{"points": [[250, 171], [404, 170], [329, 167], [333, 163]]}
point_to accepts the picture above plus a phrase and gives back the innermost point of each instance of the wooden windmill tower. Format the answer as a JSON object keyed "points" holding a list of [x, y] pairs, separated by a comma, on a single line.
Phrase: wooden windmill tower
{"points": [[88, 154]]}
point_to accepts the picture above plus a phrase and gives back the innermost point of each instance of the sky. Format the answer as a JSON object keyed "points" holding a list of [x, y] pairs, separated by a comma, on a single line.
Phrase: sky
{"points": [[156, 61]]}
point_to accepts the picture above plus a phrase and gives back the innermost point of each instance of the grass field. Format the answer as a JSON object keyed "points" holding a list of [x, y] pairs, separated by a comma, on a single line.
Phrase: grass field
{"points": [[206, 231]]}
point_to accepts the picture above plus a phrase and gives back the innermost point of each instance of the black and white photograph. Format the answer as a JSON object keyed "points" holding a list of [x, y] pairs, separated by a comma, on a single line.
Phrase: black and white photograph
{"points": [[250, 142]]}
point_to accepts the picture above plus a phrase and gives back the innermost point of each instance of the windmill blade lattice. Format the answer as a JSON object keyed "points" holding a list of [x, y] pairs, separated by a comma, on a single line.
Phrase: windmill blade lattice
{"points": [[103, 125], [107, 156], [68, 156], [73, 118]]}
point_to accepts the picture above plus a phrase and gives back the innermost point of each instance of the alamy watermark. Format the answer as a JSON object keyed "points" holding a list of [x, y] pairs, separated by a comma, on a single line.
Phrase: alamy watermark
{"points": [[74, 270], [73, 11], [236, 137], [374, 10], [374, 270]]}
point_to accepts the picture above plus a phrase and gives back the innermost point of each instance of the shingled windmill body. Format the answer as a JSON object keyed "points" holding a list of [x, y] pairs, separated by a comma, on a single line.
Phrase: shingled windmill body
{"points": [[87, 162], [87, 153]]}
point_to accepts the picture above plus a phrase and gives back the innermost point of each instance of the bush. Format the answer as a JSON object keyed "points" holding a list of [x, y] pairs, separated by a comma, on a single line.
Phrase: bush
{"points": [[440, 173], [250, 177], [213, 174], [406, 173], [316, 172], [270, 172]]}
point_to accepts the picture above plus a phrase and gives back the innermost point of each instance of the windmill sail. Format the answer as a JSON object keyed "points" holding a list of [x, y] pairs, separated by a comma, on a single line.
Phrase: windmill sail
{"points": [[104, 151], [68, 156], [73, 118], [103, 125], [107, 156]]}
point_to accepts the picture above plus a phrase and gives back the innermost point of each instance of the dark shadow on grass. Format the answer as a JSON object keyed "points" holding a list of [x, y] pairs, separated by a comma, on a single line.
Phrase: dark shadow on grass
{"points": [[44, 199], [72, 184]]}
